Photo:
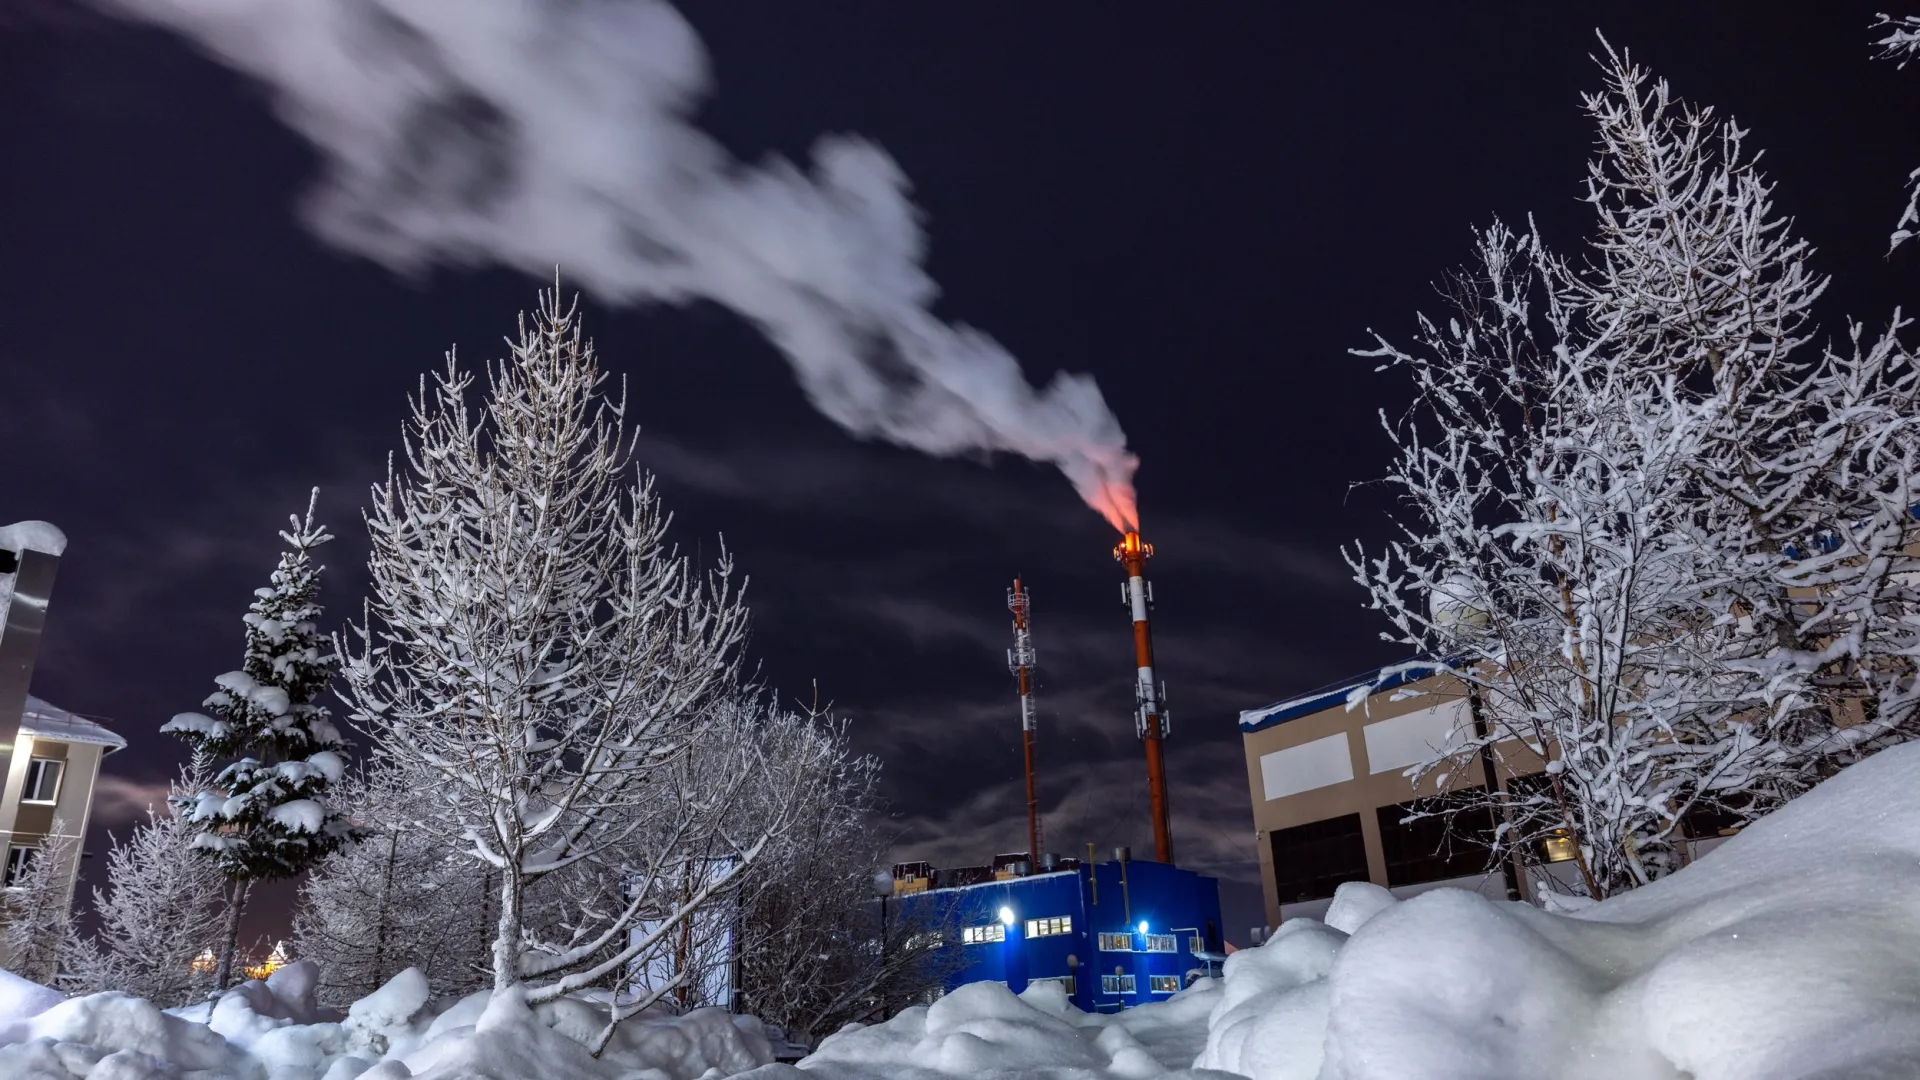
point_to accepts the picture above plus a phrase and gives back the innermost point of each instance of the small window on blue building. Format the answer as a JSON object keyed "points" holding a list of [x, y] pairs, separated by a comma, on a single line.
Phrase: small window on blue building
{"points": [[983, 935], [1164, 984], [1059, 924], [1116, 942], [1065, 982], [1117, 984], [1312, 860], [1161, 943]]}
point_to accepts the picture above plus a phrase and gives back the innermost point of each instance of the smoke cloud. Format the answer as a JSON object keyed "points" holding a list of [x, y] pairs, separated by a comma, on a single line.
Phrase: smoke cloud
{"points": [[534, 132]]}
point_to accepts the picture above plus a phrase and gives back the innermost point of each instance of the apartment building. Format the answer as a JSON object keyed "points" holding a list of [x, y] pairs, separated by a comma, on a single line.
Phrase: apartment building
{"points": [[50, 757]]}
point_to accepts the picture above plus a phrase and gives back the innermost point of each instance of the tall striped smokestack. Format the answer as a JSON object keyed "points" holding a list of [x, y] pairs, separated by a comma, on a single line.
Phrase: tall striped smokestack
{"points": [[1150, 713]]}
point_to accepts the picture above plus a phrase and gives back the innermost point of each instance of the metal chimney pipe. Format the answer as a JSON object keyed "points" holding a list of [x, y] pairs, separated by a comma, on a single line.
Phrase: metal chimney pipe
{"points": [[1150, 720], [33, 548]]}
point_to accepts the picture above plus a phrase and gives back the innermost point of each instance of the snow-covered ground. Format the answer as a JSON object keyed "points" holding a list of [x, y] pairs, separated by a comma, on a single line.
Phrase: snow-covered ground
{"points": [[1792, 952]]}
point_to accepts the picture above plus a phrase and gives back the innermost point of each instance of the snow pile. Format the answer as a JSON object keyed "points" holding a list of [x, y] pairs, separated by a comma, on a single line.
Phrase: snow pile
{"points": [[1792, 952], [272, 1030], [982, 1029]]}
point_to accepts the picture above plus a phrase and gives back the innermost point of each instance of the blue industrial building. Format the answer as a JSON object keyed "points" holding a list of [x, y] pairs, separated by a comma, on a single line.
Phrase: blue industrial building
{"points": [[1113, 935]]}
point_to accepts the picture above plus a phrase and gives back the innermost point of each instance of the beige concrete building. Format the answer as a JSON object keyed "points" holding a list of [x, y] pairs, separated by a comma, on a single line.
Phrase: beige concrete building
{"points": [[1327, 773], [50, 758]]}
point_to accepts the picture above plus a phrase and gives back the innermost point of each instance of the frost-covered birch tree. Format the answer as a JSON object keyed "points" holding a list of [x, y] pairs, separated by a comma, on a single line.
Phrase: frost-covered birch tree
{"points": [[1648, 525], [814, 952], [536, 655], [403, 896], [36, 906], [266, 814], [161, 910]]}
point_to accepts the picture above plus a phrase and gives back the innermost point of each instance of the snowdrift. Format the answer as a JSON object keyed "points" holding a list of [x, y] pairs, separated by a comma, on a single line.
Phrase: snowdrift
{"points": [[1792, 952], [273, 1031]]}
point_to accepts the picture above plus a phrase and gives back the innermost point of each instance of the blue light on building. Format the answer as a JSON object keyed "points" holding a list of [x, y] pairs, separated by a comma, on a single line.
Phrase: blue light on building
{"points": [[1113, 934]]}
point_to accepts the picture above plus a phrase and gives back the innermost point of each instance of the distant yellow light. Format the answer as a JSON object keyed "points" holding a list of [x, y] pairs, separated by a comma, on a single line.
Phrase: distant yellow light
{"points": [[1560, 846]]}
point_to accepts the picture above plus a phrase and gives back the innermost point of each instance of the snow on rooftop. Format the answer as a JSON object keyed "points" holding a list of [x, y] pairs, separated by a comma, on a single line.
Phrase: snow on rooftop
{"points": [[33, 536], [47, 721], [1340, 693]]}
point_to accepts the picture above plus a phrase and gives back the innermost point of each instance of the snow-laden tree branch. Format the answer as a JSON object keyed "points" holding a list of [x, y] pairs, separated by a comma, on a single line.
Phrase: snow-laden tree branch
{"points": [[815, 948], [564, 683], [36, 906], [1651, 528], [1902, 44], [161, 912]]}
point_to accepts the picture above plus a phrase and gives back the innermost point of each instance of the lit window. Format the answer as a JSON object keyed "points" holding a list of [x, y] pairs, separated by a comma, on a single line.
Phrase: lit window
{"points": [[1059, 924], [1559, 846], [1196, 946], [1065, 982], [19, 861], [1117, 984], [43, 781], [1162, 943], [1164, 984], [982, 935], [1116, 942]]}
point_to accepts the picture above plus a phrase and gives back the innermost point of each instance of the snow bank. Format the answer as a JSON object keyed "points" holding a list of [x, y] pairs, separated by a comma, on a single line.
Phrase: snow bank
{"points": [[983, 1029], [272, 1030], [1792, 952]]}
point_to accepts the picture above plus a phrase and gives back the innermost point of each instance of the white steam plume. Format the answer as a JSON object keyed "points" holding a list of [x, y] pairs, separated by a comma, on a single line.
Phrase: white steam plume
{"points": [[536, 132]]}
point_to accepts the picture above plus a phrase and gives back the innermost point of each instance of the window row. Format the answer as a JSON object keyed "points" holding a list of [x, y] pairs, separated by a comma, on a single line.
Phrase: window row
{"points": [[1149, 943], [981, 935], [1430, 839], [1124, 984], [1059, 924]]}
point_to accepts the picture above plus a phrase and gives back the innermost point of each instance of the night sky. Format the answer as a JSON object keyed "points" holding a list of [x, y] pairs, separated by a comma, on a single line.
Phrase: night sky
{"points": [[1202, 205]]}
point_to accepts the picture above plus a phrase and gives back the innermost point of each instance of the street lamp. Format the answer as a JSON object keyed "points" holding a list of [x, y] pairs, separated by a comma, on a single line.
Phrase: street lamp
{"points": [[883, 888]]}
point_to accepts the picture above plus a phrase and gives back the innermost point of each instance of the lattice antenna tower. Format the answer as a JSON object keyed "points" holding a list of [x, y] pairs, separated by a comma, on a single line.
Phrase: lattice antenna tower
{"points": [[1021, 662]]}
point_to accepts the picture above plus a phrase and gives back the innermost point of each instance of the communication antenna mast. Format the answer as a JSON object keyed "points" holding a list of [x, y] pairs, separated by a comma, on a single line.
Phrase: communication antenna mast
{"points": [[1021, 661]]}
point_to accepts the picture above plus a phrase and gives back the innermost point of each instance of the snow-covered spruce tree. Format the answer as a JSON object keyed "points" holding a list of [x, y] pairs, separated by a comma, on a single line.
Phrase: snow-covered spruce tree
{"points": [[266, 815], [1615, 478], [535, 655], [36, 908], [812, 948], [161, 910], [403, 896]]}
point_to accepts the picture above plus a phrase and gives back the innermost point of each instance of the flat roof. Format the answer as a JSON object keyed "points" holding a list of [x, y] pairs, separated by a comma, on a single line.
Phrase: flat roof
{"points": [[47, 721], [1377, 681]]}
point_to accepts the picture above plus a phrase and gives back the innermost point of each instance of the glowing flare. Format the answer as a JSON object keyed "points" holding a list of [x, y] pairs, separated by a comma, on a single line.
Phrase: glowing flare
{"points": [[1115, 502]]}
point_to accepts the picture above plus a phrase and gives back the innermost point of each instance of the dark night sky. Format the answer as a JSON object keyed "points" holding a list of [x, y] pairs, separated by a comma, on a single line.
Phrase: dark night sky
{"points": [[1203, 206]]}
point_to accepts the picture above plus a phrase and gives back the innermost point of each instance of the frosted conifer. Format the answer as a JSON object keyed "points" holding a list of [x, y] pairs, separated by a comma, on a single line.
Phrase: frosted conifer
{"points": [[160, 912], [267, 815], [36, 907]]}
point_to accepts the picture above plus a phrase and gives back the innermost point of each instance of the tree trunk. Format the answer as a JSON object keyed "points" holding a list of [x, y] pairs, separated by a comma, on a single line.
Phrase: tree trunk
{"points": [[380, 918], [230, 938], [506, 938]]}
